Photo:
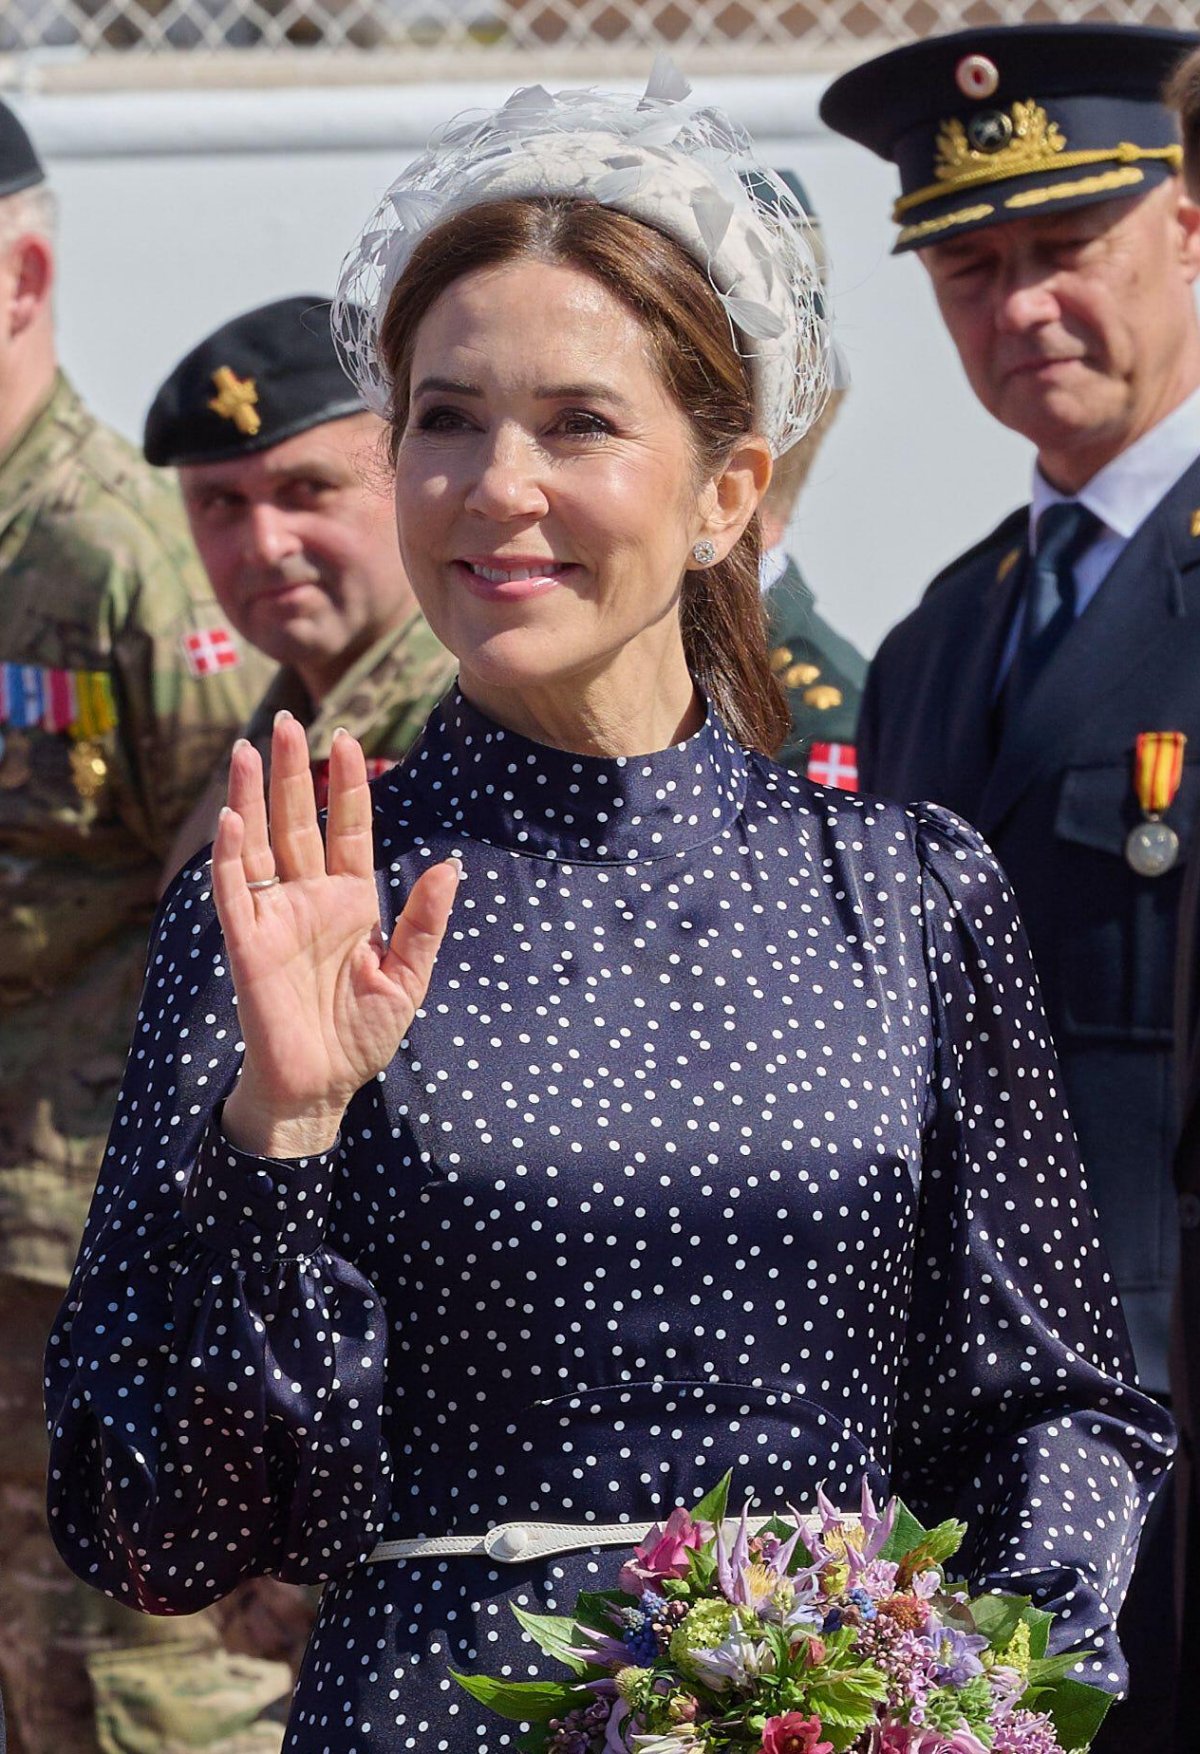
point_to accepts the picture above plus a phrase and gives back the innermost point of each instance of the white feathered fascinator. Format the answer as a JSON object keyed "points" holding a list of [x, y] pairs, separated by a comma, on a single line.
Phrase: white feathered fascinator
{"points": [[686, 170]]}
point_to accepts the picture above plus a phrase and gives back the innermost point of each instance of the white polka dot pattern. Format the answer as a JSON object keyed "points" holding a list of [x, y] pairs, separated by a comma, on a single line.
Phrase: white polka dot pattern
{"points": [[729, 1135]]}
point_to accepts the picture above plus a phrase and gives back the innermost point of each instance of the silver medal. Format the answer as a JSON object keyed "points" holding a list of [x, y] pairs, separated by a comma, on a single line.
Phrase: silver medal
{"points": [[1151, 848]]}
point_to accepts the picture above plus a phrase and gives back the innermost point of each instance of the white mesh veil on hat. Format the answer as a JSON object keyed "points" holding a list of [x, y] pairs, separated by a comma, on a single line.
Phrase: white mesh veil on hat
{"points": [[686, 170]]}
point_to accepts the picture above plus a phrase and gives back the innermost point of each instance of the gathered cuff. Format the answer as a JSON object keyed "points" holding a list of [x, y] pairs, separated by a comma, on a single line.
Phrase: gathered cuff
{"points": [[259, 1209]]}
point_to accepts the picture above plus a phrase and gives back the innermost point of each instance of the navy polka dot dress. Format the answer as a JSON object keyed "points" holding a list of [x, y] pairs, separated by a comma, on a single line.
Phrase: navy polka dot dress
{"points": [[729, 1135]]}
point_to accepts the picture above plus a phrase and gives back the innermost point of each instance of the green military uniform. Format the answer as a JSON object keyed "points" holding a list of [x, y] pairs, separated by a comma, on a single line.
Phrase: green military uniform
{"points": [[120, 687], [822, 675], [383, 700]]}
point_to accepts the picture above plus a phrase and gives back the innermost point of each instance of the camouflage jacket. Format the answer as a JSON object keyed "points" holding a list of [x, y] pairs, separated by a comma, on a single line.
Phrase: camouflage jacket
{"points": [[119, 689], [384, 700], [822, 673]]}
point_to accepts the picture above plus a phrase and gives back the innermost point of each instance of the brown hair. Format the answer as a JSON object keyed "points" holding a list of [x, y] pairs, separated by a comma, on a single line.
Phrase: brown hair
{"points": [[1183, 94], [724, 632]]}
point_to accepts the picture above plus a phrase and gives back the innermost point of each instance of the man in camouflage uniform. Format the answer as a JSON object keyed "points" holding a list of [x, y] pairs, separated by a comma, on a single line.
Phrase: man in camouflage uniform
{"points": [[119, 688], [288, 493], [822, 674]]}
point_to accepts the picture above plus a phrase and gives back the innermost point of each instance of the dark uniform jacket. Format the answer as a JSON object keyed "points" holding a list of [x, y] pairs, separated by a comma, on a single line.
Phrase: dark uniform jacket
{"points": [[1185, 1359], [1056, 799], [822, 674]]}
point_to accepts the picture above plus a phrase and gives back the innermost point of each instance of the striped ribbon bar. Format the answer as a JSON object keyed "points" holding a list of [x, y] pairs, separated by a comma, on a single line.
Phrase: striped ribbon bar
{"points": [[78, 701], [1158, 769]]}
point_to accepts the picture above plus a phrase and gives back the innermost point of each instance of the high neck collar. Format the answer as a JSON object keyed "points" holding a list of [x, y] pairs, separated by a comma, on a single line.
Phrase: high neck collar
{"points": [[496, 786]]}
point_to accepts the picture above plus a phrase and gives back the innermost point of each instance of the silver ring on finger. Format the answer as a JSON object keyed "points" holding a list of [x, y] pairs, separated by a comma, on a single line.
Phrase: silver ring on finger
{"points": [[265, 883]]}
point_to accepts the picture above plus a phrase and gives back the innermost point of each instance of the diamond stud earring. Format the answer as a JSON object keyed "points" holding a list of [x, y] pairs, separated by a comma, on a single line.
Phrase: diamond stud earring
{"points": [[704, 552]]}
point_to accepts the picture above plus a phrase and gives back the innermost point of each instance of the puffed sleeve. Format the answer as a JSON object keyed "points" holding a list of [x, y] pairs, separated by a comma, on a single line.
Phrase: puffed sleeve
{"points": [[1017, 1409], [214, 1379]]}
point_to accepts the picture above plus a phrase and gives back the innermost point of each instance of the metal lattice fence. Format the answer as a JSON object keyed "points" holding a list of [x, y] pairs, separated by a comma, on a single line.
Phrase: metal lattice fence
{"points": [[816, 32]]}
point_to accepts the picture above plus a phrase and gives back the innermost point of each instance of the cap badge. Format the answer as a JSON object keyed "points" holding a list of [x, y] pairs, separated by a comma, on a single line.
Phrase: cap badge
{"points": [[236, 400], [990, 131], [976, 76], [1025, 140]]}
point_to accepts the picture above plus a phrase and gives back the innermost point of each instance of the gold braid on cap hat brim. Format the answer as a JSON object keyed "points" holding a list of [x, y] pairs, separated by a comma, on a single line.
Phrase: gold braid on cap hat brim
{"points": [[1037, 145]]}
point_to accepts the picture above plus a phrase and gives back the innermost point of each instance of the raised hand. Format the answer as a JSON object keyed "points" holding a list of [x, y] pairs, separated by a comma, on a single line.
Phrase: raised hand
{"points": [[323, 1001]]}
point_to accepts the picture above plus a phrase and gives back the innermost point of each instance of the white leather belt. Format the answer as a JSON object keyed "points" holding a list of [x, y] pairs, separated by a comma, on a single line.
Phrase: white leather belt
{"points": [[514, 1543]]}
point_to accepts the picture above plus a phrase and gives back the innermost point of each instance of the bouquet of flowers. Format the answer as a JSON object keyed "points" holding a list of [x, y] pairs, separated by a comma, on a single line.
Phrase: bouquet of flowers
{"points": [[798, 1635]]}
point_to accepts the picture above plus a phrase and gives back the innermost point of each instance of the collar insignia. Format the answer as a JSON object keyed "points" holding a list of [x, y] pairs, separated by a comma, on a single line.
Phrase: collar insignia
{"points": [[1010, 560], [236, 400]]}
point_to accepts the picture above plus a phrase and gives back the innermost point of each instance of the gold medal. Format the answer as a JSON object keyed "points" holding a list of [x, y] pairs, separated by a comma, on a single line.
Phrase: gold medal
{"points": [[1152, 848], [89, 769]]}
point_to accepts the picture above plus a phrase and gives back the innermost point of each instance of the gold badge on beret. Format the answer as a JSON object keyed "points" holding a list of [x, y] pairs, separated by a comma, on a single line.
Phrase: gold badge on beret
{"points": [[235, 400]]}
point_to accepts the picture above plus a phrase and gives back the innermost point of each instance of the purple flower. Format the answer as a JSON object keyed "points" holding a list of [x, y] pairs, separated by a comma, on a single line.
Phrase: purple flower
{"points": [[755, 1583], [833, 1537], [1026, 1732], [954, 1652], [602, 1649], [614, 1741]]}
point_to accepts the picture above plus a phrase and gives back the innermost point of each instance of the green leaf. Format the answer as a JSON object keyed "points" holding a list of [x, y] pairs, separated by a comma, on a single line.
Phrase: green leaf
{"points": [[1046, 1670], [554, 1635], [534, 1702], [848, 1696], [997, 1617], [712, 1507], [1076, 1709], [594, 1608], [702, 1569], [933, 1549], [906, 1532], [941, 1543], [776, 1526], [1039, 1625]]}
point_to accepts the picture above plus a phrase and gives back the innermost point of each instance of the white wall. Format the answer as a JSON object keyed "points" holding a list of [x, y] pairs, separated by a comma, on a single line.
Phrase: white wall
{"points": [[181, 209]]}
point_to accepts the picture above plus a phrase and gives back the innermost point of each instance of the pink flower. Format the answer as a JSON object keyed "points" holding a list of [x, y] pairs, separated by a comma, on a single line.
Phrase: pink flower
{"points": [[793, 1734], [664, 1553], [896, 1739]]}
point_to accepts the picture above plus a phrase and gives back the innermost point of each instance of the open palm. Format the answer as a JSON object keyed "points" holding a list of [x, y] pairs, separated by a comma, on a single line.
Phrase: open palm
{"points": [[323, 1001]]}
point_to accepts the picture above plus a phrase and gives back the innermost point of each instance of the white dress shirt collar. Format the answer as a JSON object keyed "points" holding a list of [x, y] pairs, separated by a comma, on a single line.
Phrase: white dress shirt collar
{"points": [[1126, 491]]}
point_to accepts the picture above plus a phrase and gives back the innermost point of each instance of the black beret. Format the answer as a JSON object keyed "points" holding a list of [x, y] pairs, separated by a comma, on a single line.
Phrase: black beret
{"points": [[993, 125], [20, 166], [257, 380]]}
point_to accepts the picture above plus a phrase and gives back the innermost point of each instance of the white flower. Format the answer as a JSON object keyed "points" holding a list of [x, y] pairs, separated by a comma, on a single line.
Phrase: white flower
{"points": [[737, 1661]]}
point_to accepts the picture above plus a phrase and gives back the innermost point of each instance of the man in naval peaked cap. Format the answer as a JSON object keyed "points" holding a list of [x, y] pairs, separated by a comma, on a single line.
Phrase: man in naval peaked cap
{"points": [[289, 501], [1047, 686], [113, 709]]}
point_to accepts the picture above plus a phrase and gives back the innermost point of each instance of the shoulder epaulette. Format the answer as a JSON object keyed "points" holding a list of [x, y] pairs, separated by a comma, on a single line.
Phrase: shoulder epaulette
{"points": [[1010, 530]]}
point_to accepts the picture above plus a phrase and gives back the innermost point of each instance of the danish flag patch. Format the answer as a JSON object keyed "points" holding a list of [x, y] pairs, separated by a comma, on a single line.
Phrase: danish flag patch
{"points": [[833, 764], [210, 649]]}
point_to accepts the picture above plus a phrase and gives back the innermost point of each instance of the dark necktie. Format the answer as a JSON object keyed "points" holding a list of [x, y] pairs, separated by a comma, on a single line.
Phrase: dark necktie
{"points": [[1065, 530]]}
